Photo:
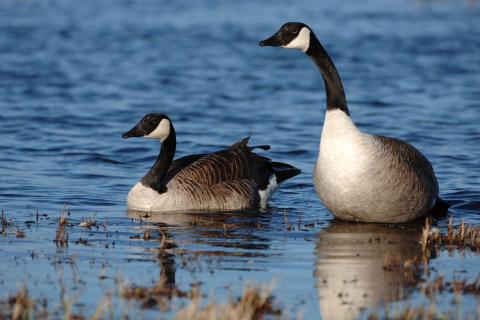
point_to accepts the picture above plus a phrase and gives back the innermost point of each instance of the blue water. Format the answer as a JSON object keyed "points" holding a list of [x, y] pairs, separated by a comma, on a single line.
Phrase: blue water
{"points": [[75, 75]]}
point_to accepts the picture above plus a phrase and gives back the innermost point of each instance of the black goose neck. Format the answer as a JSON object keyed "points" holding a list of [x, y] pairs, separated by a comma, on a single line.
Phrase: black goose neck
{"points": [[333, 84], [155, 176]]}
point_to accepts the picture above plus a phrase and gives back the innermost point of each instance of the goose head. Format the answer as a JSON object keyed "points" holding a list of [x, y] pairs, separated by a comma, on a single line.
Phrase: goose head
{"points": [[152, 126], [292, 35]]}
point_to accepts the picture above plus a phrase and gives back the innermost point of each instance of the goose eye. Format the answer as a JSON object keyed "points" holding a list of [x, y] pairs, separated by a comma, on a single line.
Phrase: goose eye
{"points": [[293, 30]]}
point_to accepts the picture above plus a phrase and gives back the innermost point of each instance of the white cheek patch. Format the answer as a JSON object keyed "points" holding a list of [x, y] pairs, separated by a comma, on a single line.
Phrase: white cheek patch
{"points": [[301, 42], [161, 131]]}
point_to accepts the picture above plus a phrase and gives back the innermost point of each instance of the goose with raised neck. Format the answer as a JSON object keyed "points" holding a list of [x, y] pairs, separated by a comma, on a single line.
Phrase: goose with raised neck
{"points": [[359, 176], [232, 179]]}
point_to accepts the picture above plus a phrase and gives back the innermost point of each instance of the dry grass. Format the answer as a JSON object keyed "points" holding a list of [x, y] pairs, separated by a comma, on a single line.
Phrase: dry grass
{"points": [[89, 223], [9, 224], [19, 306], [413, 264], [61, 236], [431, 289], [5, 224], [459, 237], [253, 304], [22, 305], [158, 295], [456, 286], [19, 234], [432, 240]]}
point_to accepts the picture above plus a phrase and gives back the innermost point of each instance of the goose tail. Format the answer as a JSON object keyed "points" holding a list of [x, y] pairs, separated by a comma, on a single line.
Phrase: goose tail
{"points": [[284, 171], [440, 208], [263, 147]]}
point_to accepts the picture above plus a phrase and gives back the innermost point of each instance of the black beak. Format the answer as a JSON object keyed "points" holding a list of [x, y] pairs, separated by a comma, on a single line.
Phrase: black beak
{"points": [[134, 132], [273, 41]]}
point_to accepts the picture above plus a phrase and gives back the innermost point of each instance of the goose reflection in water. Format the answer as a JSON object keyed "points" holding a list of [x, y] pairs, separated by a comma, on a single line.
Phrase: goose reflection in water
{"points": [[226, 234], [353, 268], [165, 257]]}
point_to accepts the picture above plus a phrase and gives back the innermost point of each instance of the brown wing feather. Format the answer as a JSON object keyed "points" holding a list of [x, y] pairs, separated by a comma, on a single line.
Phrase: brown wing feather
{"points": [[408, 159], [180, 164], [234, 163], [234, 194], [227, 179]]}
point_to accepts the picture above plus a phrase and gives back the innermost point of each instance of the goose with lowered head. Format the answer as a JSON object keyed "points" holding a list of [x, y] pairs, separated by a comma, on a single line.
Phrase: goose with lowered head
{"points": [[359, 176], [231, 179]]}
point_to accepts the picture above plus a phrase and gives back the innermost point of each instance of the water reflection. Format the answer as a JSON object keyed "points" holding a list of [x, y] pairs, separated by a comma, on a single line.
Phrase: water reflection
{"points": [[166, 245], [232, 237], [240, 230], [358, 266]]}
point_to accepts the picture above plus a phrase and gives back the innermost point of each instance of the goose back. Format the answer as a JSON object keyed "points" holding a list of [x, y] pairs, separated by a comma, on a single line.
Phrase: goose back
{"points": [[235, 163]]}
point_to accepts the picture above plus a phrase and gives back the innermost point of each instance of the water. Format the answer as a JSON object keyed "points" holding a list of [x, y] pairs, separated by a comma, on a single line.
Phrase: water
{"points": [[74, 76]]}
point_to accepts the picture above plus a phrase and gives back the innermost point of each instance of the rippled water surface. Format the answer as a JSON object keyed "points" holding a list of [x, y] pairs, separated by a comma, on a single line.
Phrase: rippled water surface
{"points": [[75, 75]]}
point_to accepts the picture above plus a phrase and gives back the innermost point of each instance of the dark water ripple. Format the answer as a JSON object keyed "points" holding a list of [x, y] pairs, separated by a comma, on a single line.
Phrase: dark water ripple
{"points": [[75, 75]]}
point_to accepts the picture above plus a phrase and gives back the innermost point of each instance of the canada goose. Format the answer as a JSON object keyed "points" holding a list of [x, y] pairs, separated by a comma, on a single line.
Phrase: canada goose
{"points": [[359, 176], [231, 179]]}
